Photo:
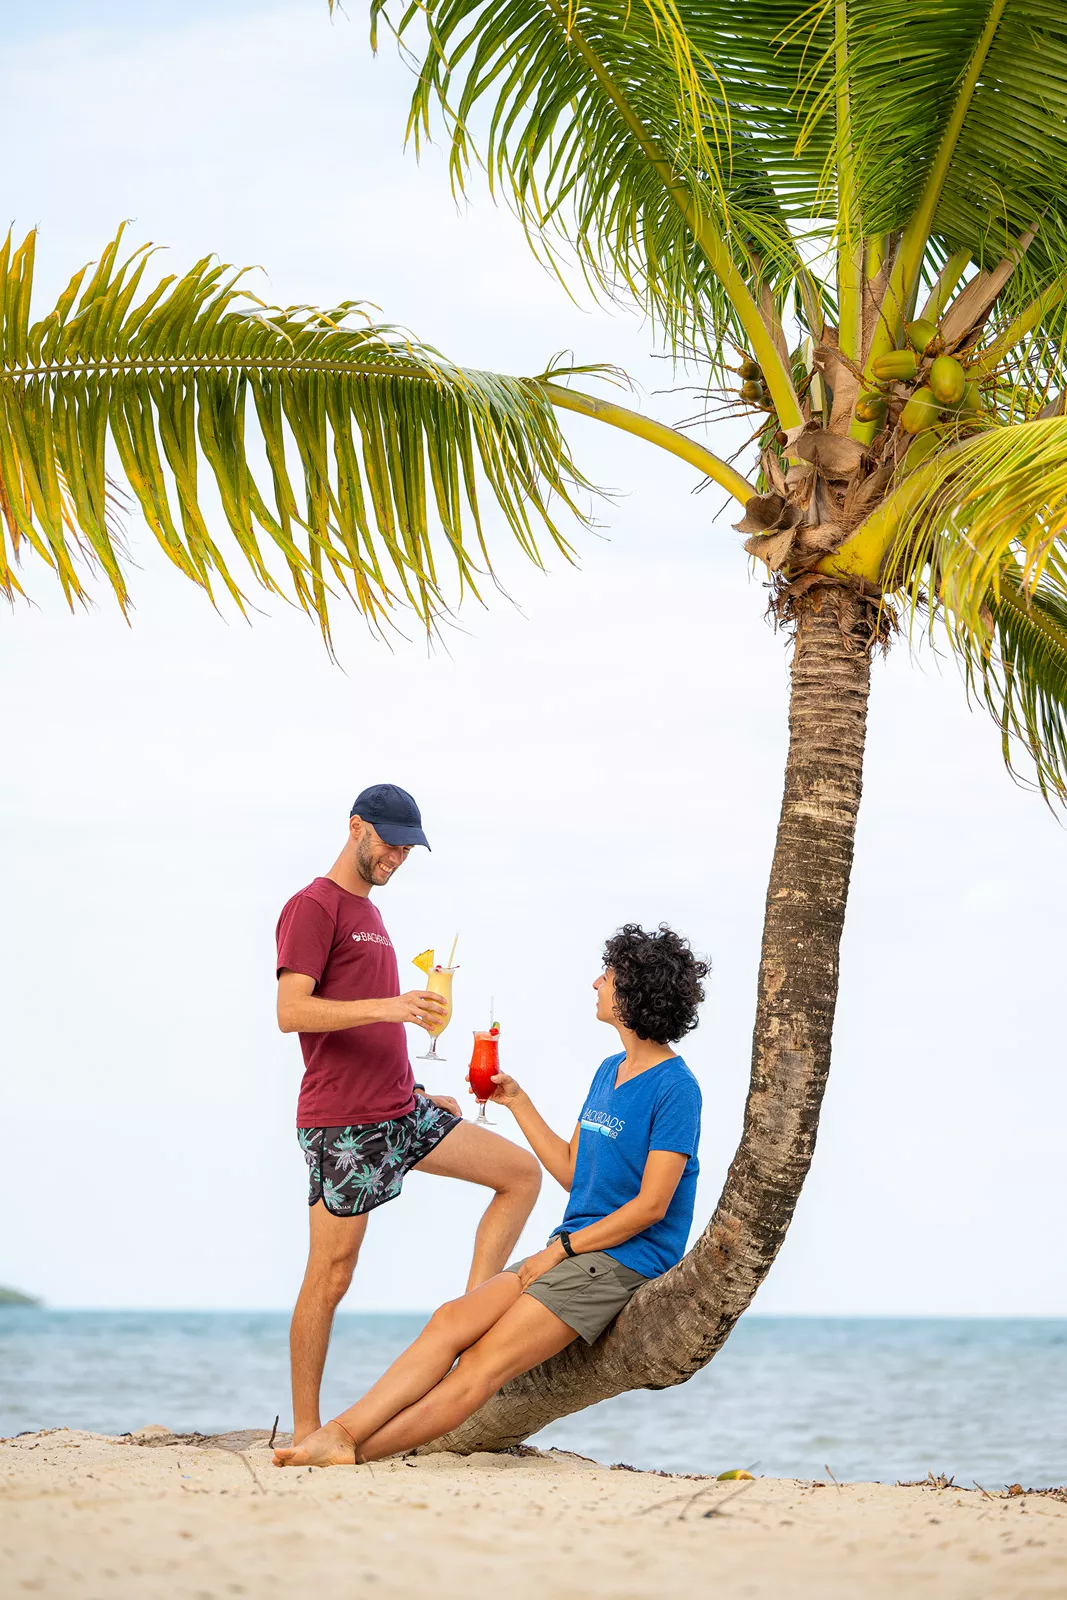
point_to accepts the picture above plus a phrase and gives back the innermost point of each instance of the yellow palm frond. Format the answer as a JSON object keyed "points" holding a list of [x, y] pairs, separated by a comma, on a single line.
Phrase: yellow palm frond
{"points": [[346, 455]]}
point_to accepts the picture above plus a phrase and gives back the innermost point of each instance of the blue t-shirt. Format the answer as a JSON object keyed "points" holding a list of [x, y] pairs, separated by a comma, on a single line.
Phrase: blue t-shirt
{"points": [[657, 1110]]}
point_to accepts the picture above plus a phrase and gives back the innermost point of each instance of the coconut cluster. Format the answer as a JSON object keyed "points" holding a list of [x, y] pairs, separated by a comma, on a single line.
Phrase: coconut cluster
{"points": [[754, 390], [935, 389], [817, 486]]}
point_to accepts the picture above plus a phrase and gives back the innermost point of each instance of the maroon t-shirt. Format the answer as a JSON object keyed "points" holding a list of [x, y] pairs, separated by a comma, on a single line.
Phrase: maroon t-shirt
{"points": [[356, 1074]]}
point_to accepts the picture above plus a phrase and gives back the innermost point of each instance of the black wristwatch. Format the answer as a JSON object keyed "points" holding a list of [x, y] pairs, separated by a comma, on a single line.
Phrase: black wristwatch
{"points": [[565, 1241]]}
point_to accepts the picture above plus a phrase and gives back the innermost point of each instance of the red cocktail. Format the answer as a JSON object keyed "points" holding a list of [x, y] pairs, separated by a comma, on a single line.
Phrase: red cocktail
{"points": [[485, 1064]]}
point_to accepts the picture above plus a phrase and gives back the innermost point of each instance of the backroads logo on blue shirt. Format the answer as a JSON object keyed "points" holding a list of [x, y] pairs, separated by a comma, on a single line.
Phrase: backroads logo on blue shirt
{"points": [[601, 1122]]}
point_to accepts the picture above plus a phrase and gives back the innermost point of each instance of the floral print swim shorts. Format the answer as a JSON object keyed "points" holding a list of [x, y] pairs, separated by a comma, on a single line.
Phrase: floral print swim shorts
{"points": [[355, 1169]]}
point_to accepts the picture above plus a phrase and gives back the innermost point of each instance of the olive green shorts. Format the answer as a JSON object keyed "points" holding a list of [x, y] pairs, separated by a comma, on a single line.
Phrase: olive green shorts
{"points": [[586, 1292]]}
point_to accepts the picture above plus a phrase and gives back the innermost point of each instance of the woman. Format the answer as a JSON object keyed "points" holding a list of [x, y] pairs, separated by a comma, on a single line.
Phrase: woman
{"points": [[631, 1169]]}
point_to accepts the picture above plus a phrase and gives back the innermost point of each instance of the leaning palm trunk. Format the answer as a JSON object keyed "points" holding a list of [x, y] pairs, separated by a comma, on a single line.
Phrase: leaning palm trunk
{"points": [[673, 1327]]}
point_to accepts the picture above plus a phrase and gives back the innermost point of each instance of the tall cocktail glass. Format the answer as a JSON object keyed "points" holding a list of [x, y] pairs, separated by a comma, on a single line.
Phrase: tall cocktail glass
{"points": [[439, 981], [485, 1063]]}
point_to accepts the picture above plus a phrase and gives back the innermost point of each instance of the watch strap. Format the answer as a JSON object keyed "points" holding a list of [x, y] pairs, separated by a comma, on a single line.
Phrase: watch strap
{"points": [[565, 1241]]}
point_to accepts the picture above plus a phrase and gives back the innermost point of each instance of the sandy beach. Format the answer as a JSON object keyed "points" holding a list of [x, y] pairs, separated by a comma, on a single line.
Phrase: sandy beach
{"points": [[86, 1515]]}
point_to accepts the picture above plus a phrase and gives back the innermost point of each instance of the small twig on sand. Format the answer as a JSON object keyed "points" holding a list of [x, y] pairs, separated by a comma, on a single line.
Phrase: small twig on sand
{"points": [[274, 1432], [691, 1499], [671, 1500], [832, 1479], [242, 1457], [978, 1486], [717, 1511]]}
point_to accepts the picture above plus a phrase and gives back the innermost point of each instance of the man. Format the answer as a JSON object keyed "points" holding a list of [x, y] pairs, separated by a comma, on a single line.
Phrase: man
{"points": [[361, 1125]]}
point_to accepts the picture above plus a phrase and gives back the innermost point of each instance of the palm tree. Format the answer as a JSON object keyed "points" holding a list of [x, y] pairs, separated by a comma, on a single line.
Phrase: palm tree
{"points": [[856, 209]]}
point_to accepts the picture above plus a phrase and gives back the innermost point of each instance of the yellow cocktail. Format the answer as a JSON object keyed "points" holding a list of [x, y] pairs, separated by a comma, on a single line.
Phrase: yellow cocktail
{"points": [[438, 981]]}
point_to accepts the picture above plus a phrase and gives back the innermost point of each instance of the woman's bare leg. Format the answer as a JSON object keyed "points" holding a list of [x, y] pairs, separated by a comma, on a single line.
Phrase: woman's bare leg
{"points": [[524, 1336], [451, 1330]]}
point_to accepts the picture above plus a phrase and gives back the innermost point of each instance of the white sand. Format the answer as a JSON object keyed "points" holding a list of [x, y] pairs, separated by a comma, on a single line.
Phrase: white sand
{"points": [[86, 1516]]}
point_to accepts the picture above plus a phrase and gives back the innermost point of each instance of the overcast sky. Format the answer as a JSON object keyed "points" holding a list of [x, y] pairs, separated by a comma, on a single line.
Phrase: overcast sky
{"points": [[608, 748]]}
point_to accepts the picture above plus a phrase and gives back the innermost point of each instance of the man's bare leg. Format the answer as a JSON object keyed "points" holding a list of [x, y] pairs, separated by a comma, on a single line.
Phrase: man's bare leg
{"points": [[450, 1330], [478, 1156], [332, 1255], [525, 1335]]}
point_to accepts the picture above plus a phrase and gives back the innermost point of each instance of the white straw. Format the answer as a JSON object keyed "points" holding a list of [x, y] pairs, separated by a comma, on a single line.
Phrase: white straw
{"points": [[455, 941]]}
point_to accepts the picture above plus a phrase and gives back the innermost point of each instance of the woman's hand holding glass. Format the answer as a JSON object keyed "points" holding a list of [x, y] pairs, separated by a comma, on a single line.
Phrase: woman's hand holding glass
{"points": [[505, 1092]]}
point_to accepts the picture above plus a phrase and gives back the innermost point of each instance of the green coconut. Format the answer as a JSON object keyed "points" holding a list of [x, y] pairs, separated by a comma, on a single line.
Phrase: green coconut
{"points": [[896, 366], [870, 407], [948, 380], [921, 411], [921, 333], [920, 449], [750, 368], [752, 391]]}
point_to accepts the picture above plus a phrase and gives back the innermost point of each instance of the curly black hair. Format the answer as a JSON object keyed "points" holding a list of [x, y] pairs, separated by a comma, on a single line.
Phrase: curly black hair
{"points": [[657, 982]]}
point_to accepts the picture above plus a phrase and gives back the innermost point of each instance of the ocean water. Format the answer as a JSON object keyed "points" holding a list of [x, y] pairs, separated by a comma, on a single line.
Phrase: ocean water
{"points": [[863, 1398]]}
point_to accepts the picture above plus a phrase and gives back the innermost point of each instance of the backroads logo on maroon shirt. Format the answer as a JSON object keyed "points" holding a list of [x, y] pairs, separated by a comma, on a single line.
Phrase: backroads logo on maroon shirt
{"points": [[373, 938]]}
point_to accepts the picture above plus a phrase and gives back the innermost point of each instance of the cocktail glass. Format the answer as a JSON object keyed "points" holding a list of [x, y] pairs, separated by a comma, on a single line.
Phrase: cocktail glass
{"points": [[438, 981], [485, 1064]]}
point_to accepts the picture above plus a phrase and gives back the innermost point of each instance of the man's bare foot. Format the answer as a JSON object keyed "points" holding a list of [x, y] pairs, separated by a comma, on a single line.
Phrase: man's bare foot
{"points": [[331, 1446]]}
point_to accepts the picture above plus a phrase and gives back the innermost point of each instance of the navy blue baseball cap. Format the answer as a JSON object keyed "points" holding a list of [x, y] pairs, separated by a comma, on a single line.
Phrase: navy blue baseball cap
{"points": [[392, 813]]}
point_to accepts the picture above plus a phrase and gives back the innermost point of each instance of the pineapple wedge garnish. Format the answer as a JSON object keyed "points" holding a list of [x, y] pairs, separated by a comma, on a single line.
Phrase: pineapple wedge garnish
{"points": [[424, 962]]}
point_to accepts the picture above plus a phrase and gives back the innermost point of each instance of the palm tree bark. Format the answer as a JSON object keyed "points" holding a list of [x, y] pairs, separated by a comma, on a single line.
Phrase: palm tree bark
{"points": [[677, 1323]]}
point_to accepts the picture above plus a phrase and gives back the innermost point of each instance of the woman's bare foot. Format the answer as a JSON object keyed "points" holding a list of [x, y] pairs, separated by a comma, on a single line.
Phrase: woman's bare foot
{"points": [[331, 1446]]}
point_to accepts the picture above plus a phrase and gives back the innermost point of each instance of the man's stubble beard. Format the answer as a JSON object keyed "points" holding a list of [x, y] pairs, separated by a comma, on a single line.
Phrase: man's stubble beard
{"points": [[368, 867]]}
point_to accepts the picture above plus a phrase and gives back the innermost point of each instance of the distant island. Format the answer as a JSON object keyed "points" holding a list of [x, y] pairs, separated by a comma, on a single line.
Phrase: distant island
{"points": [[11, 1297]]}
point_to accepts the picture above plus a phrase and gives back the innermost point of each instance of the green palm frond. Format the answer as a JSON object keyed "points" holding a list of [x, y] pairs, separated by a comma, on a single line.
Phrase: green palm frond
{"points": [[608, 129], [906, 68], [903, 69], [341, 450], [979, 544], [995, 498], [732, 164], [1006, 174], [1023, 678]]}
